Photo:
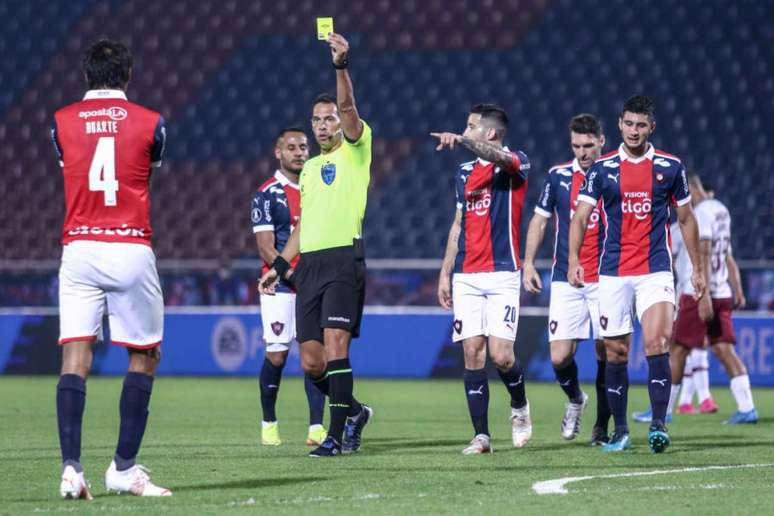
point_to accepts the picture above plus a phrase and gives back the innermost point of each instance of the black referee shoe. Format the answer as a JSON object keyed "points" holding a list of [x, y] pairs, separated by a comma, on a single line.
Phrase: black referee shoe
{"points": [[353, 430], [330, 447], [599, 436]]}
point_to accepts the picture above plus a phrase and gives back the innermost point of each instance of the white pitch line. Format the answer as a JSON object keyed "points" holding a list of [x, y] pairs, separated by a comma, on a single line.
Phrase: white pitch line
{"points": [[557, 486]]}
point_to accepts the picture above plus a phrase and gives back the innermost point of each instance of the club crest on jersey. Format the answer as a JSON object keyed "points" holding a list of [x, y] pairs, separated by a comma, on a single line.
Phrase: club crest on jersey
{"points": [[457, 326], [277, 328], [603, 322], [660, 177], [328, 173], [552, 326]]}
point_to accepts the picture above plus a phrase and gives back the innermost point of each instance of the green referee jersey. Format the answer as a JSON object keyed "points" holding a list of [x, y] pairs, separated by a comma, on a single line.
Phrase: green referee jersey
{"points": [[334, 189]]}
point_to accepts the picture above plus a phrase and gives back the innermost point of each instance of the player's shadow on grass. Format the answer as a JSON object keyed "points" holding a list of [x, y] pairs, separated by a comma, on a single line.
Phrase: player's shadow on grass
{"points": [[741, 443], [707, 437], [248, 483], [373, 445]]}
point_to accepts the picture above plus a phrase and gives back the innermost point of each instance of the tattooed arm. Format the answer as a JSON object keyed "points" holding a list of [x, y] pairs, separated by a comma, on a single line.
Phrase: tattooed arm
{"points": [[503, 158], [491, 152]]}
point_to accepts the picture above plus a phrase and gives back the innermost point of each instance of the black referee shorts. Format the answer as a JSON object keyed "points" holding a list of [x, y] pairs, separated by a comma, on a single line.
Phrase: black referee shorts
{"points": [[330, 291]]}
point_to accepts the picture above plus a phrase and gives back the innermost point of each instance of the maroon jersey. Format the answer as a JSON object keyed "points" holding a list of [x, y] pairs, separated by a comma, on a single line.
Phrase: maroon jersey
{"points": [[107, 146]]}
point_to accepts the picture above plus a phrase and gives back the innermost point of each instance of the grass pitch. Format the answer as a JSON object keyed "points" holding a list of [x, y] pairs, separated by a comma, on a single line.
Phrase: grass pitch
{"points": [[202, 442]]}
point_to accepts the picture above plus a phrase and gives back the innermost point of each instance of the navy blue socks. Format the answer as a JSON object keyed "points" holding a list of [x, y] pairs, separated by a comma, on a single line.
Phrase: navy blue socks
{"points": [[659, 386], [270, 382], [617, 382], [477, 393], [567, 377], [135, 398], [316, 400], [70, 404], [603, 408], [513, 379]]}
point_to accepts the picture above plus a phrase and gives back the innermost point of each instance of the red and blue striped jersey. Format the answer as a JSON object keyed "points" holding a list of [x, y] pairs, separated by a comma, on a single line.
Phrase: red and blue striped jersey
{"points": [[491, 199], [107, 147], [636, 195], [559, 197], [277, 208]]}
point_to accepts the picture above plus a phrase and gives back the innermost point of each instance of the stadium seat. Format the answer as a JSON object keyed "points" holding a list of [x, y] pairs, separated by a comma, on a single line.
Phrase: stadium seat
{"points": [[228, 76]]}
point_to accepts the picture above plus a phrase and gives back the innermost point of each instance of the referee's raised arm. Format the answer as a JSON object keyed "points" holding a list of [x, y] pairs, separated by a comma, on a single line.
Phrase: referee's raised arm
{"points": [[331, 271], [345, 96]]}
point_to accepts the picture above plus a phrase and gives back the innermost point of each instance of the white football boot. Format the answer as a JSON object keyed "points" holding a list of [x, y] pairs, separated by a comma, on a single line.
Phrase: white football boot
{"points": [[73, 485], [521, 426], [478, 445], [571, 424], [134, 480]]}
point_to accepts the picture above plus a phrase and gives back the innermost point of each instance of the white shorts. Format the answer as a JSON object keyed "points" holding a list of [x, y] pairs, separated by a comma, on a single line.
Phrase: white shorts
{"points": [[619, 295], [278, 315], [120, 275], [486, 303], [572, 310]]}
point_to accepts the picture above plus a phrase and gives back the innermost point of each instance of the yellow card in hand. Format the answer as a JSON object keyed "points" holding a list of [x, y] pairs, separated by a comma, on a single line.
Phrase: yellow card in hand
{"points": [[324, 28]]}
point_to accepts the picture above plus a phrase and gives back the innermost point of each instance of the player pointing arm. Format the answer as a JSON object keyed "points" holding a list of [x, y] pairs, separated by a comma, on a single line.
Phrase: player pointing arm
{"points": [[487, 151], [481, 262]]}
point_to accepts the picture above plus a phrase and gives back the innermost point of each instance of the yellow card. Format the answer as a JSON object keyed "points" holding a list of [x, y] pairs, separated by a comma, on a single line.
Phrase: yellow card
{"points": [[324, 28]]}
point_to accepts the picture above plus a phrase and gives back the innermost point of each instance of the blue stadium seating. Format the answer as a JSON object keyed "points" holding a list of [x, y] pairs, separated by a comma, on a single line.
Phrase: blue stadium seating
{"points": [[228, 76]]}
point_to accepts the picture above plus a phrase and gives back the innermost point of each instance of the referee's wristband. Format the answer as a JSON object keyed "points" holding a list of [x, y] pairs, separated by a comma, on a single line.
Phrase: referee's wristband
{"points": [[280, 265], [343, 65]]}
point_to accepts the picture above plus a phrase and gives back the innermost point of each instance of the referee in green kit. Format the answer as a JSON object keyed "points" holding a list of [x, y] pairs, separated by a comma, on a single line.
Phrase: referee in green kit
{"points": [[330, 276]]}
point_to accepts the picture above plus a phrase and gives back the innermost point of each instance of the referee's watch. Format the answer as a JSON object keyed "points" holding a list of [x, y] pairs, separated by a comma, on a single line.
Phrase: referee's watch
{"points": [[343, 65]]}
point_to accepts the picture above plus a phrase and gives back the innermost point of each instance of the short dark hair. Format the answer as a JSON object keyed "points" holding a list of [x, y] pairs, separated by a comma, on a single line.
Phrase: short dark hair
{"points": [[586, 124], [107, 64], [494, 116], [289, 129], [640, 104], [324, 98]]}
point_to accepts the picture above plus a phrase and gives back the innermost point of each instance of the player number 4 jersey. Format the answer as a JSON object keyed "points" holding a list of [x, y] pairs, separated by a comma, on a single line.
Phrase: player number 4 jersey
{"points": [[106, 147], [636, 196], [491, 200]]}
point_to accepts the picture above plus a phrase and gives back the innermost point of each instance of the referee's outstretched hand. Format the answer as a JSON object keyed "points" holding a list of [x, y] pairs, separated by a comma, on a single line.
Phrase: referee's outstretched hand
{"points": [[268, 283], [339, 48]]}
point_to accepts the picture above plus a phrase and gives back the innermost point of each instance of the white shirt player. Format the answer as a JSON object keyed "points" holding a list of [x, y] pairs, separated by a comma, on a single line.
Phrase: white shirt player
{"points": [[714, 224], [682, 263]]}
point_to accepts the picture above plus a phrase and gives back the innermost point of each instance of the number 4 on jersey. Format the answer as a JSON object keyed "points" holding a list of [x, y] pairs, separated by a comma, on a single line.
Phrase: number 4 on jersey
{"points": [[102, 172]]}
